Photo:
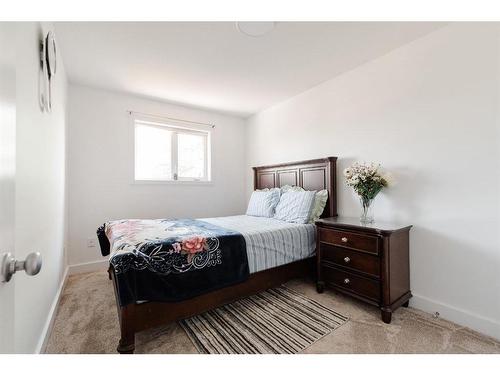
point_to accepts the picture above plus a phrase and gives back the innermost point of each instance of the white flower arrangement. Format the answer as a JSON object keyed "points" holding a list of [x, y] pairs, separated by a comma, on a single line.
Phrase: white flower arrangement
{"points": [[366, 179]]}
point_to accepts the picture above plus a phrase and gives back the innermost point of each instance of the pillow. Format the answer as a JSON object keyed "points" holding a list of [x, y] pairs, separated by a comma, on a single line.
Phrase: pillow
{"points": [[263, 203], [319, 205], [286, 188], [267, 189], [295, 206], [319, 201]]}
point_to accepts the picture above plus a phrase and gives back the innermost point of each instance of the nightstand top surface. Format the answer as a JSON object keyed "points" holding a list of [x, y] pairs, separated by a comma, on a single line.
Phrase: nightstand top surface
{"points": [[354, 223]]}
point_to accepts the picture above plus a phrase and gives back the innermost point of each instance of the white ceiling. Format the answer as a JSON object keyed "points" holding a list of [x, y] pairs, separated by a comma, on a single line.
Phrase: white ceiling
{"points": [[212, 65]]}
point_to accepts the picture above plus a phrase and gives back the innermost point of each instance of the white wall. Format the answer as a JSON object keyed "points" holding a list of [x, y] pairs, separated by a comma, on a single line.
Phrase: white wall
{"points": [[100, 168], [40, 187], [428, 112]]}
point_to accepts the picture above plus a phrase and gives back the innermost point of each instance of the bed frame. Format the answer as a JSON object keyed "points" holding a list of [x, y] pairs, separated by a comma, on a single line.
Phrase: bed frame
{"points": [[311, 175]]}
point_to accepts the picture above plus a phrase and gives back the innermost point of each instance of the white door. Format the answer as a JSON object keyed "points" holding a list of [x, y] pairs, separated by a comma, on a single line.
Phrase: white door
{"points": [[7, 178]]}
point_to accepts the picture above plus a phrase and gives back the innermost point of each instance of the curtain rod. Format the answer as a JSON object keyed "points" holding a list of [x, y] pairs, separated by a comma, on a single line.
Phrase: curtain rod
{"points": [[170, 118]]}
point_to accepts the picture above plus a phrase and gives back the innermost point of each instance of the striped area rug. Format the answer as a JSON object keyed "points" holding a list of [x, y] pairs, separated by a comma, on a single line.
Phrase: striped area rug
{"points": [[277, 321]]}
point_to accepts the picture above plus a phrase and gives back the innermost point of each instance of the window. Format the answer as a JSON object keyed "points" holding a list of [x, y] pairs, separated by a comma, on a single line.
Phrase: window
{"points": [[168, 151]]}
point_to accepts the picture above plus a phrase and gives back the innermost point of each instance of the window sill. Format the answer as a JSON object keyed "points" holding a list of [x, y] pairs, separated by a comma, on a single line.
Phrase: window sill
{"points": [[173, 182]]}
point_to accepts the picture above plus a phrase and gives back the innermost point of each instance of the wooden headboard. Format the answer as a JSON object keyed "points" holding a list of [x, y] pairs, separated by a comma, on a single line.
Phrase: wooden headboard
{"points": [[314, 174]]}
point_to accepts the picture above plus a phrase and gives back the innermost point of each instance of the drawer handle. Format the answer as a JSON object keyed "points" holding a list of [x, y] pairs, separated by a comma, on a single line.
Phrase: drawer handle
{"points": [[347, 259], [347, 281], [344, 239]]}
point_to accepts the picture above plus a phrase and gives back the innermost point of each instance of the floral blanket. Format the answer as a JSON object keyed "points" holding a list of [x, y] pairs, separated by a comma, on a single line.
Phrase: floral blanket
{"points": [[171, 260]]}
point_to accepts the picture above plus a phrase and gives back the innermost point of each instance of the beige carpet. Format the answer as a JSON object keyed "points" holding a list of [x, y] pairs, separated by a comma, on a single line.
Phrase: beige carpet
{"points": [[86, 322]]}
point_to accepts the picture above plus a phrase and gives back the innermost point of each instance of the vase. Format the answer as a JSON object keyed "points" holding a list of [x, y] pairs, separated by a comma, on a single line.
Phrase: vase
{"points": [[366, 210]]}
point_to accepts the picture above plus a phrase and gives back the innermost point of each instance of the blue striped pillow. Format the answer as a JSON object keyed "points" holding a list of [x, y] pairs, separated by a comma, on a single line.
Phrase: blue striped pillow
{"points": [[262, 203], [295, 206]]}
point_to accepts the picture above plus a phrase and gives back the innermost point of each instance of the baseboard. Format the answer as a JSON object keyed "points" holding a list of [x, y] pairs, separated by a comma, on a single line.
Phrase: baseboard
{"points": [[49, 324], [479, 323], [98, 265]]}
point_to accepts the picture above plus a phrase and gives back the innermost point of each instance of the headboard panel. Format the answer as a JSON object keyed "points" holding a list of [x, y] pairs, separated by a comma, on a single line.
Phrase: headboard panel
{"points": [[314, 174]]}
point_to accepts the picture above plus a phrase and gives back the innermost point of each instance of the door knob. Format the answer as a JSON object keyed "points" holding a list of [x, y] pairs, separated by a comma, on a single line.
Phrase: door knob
{"points": [[9, 265]]}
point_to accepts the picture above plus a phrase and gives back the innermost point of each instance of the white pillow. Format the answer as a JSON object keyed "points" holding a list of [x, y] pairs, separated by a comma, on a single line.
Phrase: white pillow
{"points": [[287, 188], [267, 189], [319, 205], [295, 206], [263, 203], [319, 201]]}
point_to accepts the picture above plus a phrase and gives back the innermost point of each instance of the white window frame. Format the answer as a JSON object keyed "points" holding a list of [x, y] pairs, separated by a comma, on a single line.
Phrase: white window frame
{"points": [[176, 127]]}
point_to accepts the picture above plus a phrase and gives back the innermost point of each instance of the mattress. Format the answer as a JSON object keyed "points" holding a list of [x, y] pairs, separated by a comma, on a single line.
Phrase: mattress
{"points": [[270, 242]]}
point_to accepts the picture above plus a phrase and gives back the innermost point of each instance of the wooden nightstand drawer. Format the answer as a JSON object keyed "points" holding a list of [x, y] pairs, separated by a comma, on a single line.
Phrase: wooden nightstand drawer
{"points": [[354, 241], [362, 286], [354, 260]]}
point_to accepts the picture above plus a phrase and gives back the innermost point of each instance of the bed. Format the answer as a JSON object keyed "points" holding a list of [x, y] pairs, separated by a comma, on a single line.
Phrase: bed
{"points": [[276, 252]]}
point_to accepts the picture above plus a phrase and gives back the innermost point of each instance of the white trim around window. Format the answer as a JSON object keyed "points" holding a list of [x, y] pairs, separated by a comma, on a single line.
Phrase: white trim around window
{"points": [[170, 151]]}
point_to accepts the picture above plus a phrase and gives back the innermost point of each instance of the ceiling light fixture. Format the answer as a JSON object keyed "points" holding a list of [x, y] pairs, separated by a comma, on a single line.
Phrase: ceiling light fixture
{"points": [[255, 29]]}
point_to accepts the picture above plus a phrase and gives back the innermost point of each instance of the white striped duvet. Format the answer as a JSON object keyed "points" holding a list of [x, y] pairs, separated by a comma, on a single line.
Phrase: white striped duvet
{"points": [[270, 242]]}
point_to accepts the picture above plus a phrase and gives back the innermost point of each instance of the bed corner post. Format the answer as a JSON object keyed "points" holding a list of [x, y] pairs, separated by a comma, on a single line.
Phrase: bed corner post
{"points": [[255, 181], [332, 185], [127, 330], [127, 319]]}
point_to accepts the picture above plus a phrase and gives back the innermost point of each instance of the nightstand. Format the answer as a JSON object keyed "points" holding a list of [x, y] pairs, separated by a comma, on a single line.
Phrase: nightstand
{"points": [[370, 262]]}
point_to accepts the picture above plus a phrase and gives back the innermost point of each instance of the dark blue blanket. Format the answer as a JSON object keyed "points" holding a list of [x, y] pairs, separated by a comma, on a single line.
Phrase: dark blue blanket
{"points": [[172, 260]]}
